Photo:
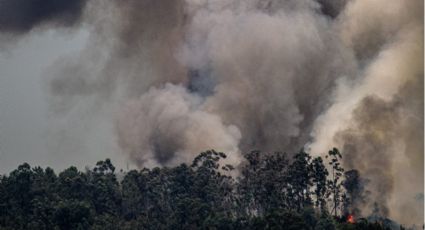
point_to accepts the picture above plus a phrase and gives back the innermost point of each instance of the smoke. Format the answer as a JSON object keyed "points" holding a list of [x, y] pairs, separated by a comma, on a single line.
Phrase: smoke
{"points": [[371, 143], [174, 78], [167, 125], [354, 185], [21, 16], [332, 8], [269, 79], [246, 60], [377, 119], [264, 68]]}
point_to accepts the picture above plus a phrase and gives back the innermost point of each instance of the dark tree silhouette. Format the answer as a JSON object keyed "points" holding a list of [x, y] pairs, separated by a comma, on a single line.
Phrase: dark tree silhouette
{"points": [[270, 191]]}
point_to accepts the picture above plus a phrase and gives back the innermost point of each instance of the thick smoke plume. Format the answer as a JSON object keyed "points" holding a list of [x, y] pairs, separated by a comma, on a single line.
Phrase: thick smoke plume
{"points": [[166, 126], [377, 119], [268, 82], [20, 16], [246, 62], [179, 77]]}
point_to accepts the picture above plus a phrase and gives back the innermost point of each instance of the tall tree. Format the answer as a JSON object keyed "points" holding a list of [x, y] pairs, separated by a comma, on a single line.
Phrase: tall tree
{"points": [[320, 174], [300, 179], [335, 183]]}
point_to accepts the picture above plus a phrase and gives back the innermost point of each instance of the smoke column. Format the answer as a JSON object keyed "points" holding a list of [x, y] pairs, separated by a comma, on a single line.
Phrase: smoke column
{"points": [[243, 65], [174, 78], [377, 119]]}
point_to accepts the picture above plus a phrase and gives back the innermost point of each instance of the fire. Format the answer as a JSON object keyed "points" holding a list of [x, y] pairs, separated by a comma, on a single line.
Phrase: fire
{"points": [[350, 219]]}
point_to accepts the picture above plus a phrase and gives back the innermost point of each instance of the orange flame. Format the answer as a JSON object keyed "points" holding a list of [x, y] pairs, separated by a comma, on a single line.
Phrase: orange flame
{"points": [[350, 219]]}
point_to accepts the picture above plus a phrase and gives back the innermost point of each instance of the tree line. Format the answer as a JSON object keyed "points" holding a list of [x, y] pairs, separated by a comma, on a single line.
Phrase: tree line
{"points": [[267, 191]]}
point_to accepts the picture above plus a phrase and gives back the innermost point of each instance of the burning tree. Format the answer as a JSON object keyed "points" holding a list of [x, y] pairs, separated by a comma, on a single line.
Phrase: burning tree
{"points": [[354, 186]]}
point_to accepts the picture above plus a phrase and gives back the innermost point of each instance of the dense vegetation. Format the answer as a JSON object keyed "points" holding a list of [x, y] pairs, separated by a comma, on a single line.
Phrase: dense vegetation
{"points": [[270, 191]]}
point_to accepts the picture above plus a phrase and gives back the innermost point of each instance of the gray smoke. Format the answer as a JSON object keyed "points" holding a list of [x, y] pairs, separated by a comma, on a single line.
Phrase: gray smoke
{"points": [[332, 8], [369, 142], [249, 63], [377, 120], [175, 78], [354, 185], [273, 70], [167, 126]]}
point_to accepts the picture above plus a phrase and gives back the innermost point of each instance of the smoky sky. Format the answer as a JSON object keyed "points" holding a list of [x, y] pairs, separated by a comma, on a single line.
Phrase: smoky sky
{"points": [[20, 16], [170, 79]]}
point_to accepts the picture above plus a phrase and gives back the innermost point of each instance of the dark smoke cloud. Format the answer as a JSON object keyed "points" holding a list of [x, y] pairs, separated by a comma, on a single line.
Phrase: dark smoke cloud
{"points": [[369, 146], [355, 185], [332, 8], [380, 133], [21, 16]]}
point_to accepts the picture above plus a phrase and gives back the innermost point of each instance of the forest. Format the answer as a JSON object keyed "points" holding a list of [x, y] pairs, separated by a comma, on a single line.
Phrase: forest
{"points": [[267, 191]]}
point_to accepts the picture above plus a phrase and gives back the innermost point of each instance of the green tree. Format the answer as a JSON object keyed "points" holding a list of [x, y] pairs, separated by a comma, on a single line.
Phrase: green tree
{"points": [[263, 183], [300, 179], [211, 185], [73, 214], [271, 192], [105, 195], [335, 183], [325, 222], [320, 174]]}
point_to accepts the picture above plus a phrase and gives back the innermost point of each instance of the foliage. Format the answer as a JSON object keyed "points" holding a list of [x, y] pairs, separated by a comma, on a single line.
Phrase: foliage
{"points": [[334, 183], [271, 191]]}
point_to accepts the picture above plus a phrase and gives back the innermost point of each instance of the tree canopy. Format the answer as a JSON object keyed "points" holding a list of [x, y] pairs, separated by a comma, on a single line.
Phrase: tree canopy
{"points": [[271, 191]]}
